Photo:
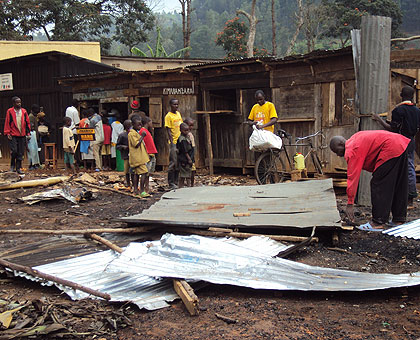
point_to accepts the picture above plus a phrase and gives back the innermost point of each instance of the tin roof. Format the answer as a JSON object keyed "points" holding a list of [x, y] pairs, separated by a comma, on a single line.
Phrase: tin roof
{"points": [[410, 230], [297, 204]]}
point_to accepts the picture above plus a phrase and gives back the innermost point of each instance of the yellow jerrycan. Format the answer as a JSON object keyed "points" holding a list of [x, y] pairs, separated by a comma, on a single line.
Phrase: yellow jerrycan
{"points": [[299, 161]]}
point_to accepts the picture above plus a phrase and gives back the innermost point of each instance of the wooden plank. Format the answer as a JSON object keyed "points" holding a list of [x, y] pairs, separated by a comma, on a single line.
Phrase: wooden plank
{"points": [[209, 145], [318, 78], [186, 293], [296, 120], [213, 112]]}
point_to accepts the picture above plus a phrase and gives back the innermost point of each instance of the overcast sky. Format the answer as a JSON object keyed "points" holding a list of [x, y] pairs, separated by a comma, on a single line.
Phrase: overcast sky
{"points": [[170, 5]]}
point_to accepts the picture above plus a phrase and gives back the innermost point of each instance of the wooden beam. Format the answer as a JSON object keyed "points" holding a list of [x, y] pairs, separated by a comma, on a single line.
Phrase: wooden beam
{"points": [[35, 183], [296, 120], [47, 277], [105, 242], [186, 293], [76, 231], [213, 112], [207, 124]]}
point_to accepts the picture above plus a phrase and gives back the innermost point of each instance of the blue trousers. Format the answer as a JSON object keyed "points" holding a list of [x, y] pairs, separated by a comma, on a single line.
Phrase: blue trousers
{"points": [[412, 190]]}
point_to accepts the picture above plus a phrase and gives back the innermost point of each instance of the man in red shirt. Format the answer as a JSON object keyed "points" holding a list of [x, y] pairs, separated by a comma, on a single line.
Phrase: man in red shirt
{"points": [[150, 148], [385, 155], [17, 127]]}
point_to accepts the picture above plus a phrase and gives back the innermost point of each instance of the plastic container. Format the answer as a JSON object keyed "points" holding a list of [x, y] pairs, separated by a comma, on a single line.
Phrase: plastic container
{"points": [[299, 161], [119, 161]]}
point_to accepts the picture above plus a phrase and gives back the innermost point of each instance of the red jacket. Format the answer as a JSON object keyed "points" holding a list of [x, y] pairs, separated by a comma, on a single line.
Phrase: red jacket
{"points": [[149, 142], [368, 150], [10, 127]]}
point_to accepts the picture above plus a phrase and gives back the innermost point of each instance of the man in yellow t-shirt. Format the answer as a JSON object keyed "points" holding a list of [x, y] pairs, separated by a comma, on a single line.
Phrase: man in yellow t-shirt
{"points": [[173, 120], [263, 114]]}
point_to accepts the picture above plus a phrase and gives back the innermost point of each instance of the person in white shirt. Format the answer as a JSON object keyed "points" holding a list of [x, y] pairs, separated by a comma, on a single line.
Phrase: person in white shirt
{"points": [[73, 114]]}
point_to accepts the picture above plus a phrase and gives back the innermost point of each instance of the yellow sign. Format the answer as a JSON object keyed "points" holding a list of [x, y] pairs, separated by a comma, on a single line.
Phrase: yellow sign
{"points": [[87, 137], [86, 134], [85, 131]]}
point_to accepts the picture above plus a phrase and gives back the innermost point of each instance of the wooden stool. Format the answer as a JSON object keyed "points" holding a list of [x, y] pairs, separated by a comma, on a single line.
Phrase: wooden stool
{"points": [[53, 160]]}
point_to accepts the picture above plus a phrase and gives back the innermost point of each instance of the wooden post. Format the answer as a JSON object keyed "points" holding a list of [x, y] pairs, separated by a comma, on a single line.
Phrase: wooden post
{"points": [[186, 293], [37, 273], [207, 123]]}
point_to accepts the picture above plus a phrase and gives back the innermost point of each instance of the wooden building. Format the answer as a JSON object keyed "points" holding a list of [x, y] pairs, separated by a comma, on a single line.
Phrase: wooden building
{"points": [[35, 82], [311, 92], [152, 89]]}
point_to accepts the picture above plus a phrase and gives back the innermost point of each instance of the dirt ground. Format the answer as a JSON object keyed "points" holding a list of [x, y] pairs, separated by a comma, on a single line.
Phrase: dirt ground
{"points": [[259, 314]]}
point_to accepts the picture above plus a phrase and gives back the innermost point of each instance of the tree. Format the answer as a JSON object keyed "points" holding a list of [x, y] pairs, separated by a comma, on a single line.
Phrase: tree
{"points": [[159, 51], [273, 28], [253, 21], [346, 15], [315, 18], [299, 23], [232, 38], [132, 20], [77, 20], [186, 10]]}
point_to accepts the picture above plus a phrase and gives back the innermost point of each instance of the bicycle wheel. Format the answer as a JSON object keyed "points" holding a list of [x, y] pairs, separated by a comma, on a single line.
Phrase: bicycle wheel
{"points": [[269, 168]]}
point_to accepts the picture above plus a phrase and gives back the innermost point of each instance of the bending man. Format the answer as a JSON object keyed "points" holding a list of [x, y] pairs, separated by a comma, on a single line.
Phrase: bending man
{"points": [[385, 155]]}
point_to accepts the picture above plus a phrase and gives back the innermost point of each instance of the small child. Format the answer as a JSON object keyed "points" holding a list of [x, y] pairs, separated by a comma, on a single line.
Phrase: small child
{"points": [[190, 122], [150, 148], [122, 145], [68, 144], [138, 157], [106, 147], [33, 156], [185, 156]]}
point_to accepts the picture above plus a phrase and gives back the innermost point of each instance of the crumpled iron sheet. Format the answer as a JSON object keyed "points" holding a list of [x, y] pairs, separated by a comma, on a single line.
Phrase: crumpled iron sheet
{"points": [[200, 258], [410, 230], [145, 291]]}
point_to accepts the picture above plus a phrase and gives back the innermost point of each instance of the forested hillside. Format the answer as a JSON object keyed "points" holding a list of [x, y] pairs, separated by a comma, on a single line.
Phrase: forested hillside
{"points": [[210, 16]]}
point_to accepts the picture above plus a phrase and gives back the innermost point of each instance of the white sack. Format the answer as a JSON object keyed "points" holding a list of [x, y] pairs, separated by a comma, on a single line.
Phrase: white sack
{"points": [[262, 140]]}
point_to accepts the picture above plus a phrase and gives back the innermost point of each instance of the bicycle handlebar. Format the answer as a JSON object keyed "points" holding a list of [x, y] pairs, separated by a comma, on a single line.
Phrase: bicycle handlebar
{"points": [[310, 136]]}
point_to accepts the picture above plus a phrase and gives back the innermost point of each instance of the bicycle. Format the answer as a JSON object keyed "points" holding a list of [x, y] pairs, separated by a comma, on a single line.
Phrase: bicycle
{"points": [[270, 168]]}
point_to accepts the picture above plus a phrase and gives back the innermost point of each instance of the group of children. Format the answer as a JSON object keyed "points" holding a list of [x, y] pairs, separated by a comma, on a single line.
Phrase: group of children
{"points": [[138, 150]]}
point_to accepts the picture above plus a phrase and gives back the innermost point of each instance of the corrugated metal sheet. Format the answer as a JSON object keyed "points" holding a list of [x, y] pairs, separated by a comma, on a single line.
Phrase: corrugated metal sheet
{"points": [[373, 82], [145, 291], [296, 204], [199, 258], [374, 67], [410, 230]]}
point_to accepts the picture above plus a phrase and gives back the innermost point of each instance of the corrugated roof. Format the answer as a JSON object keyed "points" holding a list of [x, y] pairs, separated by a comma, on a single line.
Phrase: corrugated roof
{"points": [[200, 258], [218, 63], [410, 230], [297, 204], [145, 291]]}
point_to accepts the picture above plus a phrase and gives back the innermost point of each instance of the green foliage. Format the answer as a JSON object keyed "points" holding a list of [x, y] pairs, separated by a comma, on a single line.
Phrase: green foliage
{"points": [[159, 51], [132, 20], [347, 14], [77, 20], [233, 38]]}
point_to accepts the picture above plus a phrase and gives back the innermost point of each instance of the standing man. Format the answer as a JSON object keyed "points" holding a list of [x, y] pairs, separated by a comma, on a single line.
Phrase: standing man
{"points": [[16, 128], [95, 122], [384, 154], [173, 120], [73, 114], [405, 120], [263, 114], [135, 110]]}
